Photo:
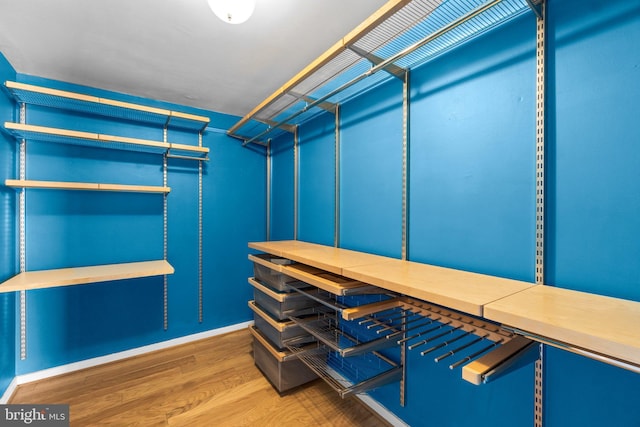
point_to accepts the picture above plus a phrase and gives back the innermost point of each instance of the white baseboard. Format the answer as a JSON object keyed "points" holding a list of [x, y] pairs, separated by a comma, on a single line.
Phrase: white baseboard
{"points": [[9, 391], [383, 412], [76, 366]]}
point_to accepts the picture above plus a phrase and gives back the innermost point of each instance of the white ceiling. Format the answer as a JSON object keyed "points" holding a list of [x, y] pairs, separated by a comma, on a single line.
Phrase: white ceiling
{"points": [[174, 50]]}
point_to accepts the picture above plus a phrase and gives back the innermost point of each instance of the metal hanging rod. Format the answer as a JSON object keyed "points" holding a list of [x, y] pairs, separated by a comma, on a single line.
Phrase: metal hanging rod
{"points": [[476, 354], [419, 334], [412, 328], [374, 69], [177, 156], [435, 328], [577, 350], [378, 316], [462, 347]]}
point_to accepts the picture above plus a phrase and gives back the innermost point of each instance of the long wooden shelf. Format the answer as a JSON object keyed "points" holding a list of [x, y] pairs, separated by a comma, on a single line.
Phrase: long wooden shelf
{"points": [[88, 186], [328, 258], [82, 275], [49, 134], [461, 290], [49, 97], [574, 320]]}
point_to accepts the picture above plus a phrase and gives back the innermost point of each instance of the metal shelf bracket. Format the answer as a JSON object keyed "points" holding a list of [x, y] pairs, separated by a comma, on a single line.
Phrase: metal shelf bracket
{"points": [[390, 68]]}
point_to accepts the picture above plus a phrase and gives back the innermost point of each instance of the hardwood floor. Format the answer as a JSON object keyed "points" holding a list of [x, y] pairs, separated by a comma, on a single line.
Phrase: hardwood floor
{"points": [[212, 382]]}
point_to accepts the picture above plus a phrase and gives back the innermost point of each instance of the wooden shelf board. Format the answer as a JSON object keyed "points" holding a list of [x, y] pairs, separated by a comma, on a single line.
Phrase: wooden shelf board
{"points": [[460, 290], [137, 107], [66, 133], [134, 141], [334, 260], [323, 257], [50, 131], [188, 116], [185, 147], [73, 96], [52, 92], [90, 186], [82, 275], [278, 247], [456, 289], [596, 323]]}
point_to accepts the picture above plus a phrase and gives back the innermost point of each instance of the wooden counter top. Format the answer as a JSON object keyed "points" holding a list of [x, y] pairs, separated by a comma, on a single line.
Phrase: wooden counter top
{"points": [[605, 325], [456, 289]]}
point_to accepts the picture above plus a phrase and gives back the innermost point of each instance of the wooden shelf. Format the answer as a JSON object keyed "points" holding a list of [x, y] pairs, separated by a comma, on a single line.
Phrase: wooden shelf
{"points": [[49, 134], [38, 95], [82, 275], [67, 136], [323, 257], [599, 324], [88, 186], [461, 290]]}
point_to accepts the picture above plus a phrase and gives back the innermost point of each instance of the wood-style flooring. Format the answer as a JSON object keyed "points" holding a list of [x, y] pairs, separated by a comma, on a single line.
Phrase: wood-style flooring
{"points": [[212, 382]]}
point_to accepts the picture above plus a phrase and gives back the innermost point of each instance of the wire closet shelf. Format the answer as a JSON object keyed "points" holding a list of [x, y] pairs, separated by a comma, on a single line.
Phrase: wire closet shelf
{"points": [[402, 35]]}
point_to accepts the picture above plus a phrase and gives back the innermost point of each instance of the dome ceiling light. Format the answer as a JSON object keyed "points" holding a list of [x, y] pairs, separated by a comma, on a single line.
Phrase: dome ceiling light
{"points": [[233, 11]]}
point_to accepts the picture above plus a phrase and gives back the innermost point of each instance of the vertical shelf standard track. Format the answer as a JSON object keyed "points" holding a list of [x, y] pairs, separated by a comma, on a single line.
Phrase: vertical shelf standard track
{"points": [[296, 182], [165, 237], [336, 211], [539, 9], [200, 229], [22, 235]]}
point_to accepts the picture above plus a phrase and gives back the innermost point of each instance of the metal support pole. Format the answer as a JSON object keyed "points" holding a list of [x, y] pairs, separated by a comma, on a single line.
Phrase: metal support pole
{"points": [[165, 286], [540, 197], [200, 225], [22, 201], [336, 212], [268, 201], [296, 177], [405, 166]]}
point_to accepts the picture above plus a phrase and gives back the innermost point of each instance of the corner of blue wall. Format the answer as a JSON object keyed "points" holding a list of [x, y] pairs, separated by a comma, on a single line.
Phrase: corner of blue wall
{"points": [[7, 233]]}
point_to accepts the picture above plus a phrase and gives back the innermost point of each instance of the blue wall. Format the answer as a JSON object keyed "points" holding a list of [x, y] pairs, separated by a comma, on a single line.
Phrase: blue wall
{"points": [[8, 254], [317, 181], [282, 188], [371, 171], [67, 228], [472, 195], [472, 145], [593, 193]]}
